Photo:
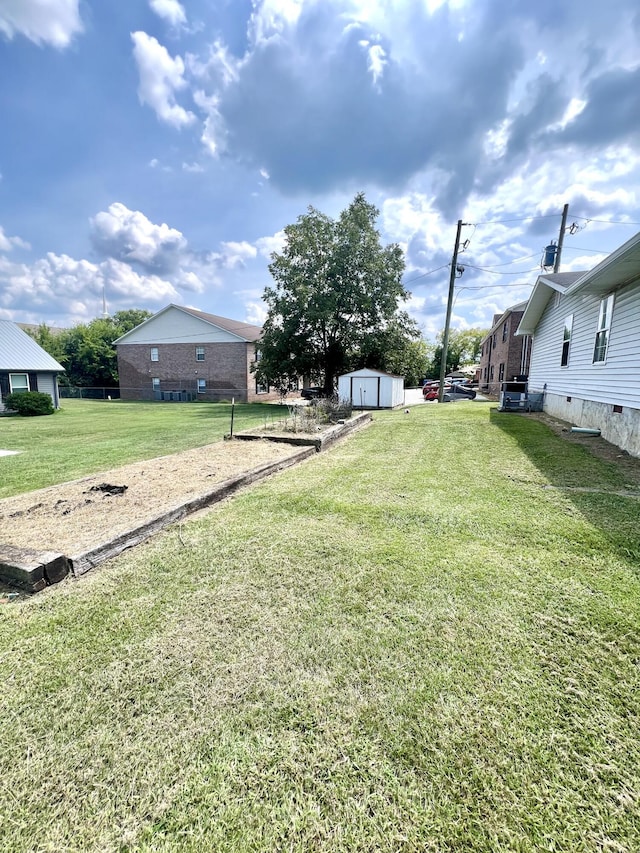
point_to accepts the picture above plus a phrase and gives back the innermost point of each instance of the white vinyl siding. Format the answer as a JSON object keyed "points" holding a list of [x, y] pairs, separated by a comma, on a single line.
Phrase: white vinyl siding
{"points": [[176, 327], [616, 381]]}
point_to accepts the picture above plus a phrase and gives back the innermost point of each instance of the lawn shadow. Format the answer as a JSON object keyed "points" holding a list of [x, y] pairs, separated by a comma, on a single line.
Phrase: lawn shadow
{"points": [[600, 480]]}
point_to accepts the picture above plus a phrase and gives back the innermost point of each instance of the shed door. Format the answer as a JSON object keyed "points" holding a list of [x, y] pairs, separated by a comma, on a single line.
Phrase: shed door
{"points": [[365, 392]]}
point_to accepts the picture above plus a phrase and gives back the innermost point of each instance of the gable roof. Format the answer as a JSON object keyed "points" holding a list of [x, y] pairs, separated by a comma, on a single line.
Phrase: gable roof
{"points": [[545, 286], [245, 331], [19, 352], [619, 268], [371, 371]]}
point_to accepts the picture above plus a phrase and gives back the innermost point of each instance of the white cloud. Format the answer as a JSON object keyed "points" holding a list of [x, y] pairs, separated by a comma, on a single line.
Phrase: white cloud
{"points": [[161, 76], [267, 245], [59, 285], [8, 243], [236, 253], [134, 289], [128, 235], [256, 313], [376, 61], [192, 167], [171, 10], [53, 22]]}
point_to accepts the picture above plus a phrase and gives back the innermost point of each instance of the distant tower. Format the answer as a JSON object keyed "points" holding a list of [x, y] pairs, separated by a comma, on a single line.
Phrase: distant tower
{"points": [[105, 313]]}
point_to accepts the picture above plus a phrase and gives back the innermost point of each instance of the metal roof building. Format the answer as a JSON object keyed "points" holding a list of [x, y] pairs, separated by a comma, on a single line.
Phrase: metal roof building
{"points": [[24, 365]]}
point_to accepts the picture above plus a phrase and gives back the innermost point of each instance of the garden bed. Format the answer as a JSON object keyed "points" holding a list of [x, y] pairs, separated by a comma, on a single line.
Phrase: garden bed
{"points": [[73, 526]]}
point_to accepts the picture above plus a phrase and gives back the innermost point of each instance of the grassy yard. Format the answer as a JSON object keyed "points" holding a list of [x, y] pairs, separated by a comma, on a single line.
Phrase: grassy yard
{"points": [[409, 643], [86, 436]]}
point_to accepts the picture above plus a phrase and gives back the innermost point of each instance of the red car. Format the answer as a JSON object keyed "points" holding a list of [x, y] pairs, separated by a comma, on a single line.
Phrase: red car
{"points": [[451, 392]]}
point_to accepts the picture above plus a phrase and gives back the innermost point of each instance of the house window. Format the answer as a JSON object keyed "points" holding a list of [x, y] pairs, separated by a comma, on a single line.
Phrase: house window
{"points": [[494, 341], [261, 389], [19, 383], [505, 332], [199, 353], [154, 354], [604, 327], [485, 374], [491, 374], [202, 386], [566, 340], [258, 355], [155, 383], [501, 372]]}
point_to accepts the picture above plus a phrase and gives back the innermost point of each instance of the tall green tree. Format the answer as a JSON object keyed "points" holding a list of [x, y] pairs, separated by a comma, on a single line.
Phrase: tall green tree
{"points": [[336, 288], [463, 350], [397, 349], [86, 350]]}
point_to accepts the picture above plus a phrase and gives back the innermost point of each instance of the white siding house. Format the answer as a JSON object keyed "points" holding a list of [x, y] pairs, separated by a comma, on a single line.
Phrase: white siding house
{"points": [[586, 346], [371, 389]]}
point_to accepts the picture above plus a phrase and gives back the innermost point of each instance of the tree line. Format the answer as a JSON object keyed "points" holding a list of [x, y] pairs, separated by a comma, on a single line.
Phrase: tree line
{"points": [[86, 350]]}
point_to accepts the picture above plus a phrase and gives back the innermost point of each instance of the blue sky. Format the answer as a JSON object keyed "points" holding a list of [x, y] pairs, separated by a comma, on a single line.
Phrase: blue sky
{"points": [[155, 149]]}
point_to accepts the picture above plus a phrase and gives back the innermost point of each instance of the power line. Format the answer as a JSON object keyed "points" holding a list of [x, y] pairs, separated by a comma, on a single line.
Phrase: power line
{"points": [[498, 272], [607, 221], [520, 219], [430, 272], [492, 286], [579, 249]]}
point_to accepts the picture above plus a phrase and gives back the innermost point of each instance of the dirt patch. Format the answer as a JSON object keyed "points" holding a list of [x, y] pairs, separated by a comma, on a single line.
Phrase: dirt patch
{"points": [[72, 517]]}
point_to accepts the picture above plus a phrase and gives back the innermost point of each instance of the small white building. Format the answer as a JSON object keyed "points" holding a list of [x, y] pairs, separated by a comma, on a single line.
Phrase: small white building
{"points": [[371, 389]]}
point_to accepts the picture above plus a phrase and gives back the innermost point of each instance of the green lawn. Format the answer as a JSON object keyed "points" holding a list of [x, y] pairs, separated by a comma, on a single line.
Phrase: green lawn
{"points": [[408, 643], [86, 436]]}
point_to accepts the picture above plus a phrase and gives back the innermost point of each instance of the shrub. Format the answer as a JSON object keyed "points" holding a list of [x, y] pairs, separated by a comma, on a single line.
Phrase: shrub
{"points": [[30, 403]]}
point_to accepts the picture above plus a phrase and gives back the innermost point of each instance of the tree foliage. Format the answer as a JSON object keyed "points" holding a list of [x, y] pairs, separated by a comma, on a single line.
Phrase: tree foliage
{"points": [[86, 351], [334, 304], [397, 349], [463, 350]]}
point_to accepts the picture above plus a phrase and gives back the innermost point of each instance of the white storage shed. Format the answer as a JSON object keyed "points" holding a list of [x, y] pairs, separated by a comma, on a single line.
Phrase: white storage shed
{"points": [[371, 389]]}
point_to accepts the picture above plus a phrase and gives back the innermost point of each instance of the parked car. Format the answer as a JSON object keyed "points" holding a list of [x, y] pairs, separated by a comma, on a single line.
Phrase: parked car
{"points": [[454, 391], [312, 393]]}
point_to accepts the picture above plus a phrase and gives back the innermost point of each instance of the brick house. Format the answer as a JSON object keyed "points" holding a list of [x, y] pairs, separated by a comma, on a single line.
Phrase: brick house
{"points": [[503, 355], [183, 354]]}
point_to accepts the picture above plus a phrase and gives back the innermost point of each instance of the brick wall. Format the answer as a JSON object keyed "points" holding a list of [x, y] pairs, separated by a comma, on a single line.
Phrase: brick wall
{"points": [[225, 371], [501, 357]]}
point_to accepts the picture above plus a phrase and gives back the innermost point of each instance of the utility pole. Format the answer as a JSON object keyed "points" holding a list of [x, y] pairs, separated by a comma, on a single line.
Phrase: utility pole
{"points": [[563, 225], [445, 336]]}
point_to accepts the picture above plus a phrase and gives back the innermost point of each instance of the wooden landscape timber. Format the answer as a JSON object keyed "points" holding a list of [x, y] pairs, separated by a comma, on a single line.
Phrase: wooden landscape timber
{"points": [[321, 441], [32, 569], [83, 562]]}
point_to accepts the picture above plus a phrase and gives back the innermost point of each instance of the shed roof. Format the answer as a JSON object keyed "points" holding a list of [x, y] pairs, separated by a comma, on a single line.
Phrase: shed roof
{"points": [[19, 351], [370, 371]]}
